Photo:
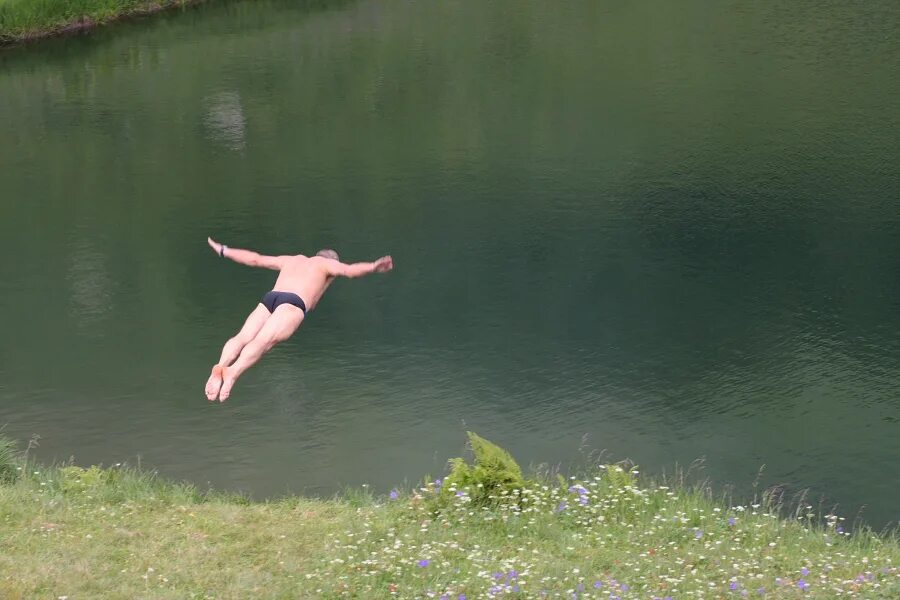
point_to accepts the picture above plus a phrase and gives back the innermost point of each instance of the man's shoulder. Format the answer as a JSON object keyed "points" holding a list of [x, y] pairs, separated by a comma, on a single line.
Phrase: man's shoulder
{"points": [[318, 262]]}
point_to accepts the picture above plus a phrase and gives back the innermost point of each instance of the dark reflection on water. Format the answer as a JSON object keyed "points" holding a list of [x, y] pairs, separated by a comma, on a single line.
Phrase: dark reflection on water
{"points": [[673, 230]]}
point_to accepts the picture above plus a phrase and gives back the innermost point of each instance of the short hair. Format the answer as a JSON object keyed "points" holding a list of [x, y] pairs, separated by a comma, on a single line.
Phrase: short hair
{"points": [[328, 253]]}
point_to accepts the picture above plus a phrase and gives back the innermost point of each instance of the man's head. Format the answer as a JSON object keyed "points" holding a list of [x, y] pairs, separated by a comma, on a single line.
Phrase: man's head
{"points": [[328, 253]]}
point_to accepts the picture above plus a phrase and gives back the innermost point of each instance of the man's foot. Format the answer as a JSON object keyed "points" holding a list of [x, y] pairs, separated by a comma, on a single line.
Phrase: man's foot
{"points": [[214, 382], [227, 383]]}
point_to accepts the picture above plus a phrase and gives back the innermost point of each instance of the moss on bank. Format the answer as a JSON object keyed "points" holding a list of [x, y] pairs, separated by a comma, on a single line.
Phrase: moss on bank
{"points": [[23, 20], [118, 533]]}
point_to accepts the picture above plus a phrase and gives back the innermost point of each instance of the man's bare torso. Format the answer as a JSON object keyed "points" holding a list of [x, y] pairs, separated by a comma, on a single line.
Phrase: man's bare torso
{"points": [[306, 276]]}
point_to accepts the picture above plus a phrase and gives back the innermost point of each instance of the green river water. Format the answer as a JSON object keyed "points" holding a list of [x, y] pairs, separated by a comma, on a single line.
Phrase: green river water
{"points": [[666, 230]]}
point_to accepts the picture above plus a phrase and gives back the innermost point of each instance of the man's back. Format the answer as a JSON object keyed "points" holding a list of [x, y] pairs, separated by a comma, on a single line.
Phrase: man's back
{"points": [[306, 276]]}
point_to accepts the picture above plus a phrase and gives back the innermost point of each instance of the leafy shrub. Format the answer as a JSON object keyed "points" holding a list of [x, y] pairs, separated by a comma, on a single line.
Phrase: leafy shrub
{"points": [[8, 460], [494, 471]]}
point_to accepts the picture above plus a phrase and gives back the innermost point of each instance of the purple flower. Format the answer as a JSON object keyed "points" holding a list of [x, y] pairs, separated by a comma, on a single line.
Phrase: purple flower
{"points": [[733, 585], [598, 584], [444, 597], [498, 575], [461, 597], [624, 587], [424, 563], [804, 571], [394, 494], [515, 589], [732, 521], [460, 493], [802, 585], [580, 587], [761, 591], [438, 483], [698, 534], [561, 507], [512, 574], [583, 500], [839, 529]]}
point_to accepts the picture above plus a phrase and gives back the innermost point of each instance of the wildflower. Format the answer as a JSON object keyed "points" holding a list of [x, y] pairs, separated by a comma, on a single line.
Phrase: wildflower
{"points": [[460, 493], [733, 585], [561, 507], [438, 483], [498, 575], [761, 591], [698, 534], [732, 521], [598, 584], [839, 529], [424, 563], [394, 494], [624, 587], [802, 585]]}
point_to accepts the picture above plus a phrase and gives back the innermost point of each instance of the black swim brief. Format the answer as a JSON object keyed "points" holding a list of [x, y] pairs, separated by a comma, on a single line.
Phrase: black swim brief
{"points": [[274, 299]]}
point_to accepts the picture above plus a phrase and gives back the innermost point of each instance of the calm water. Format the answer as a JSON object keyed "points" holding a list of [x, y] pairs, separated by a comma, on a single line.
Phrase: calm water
{"points": [[673, 228]]}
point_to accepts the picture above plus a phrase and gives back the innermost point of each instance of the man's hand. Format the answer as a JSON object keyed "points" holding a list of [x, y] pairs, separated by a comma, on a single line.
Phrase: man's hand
{"points": [[384, 264], [216, 246]]}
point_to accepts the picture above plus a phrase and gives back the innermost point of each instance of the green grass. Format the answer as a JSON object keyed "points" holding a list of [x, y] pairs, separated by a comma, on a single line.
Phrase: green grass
{"points": [[119, 533], [23, 19]]}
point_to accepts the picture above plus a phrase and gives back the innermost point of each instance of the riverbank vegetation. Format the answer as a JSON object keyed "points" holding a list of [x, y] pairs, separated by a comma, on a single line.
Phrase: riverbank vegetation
{"points": [[483, 531], [22, 20]]}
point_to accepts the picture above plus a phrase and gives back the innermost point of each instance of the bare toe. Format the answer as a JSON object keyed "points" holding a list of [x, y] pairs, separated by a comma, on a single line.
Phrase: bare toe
{"points": [[227, 383], [214, 383]]}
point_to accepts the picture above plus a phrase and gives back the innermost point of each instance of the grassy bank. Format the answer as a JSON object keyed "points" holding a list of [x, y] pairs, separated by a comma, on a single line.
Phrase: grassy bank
{"points": [[478, 533], [22, 20]]}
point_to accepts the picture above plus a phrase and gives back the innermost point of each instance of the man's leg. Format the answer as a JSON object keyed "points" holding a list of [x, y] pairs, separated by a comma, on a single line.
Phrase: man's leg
{"points": [[279, 327], [233, 347]]}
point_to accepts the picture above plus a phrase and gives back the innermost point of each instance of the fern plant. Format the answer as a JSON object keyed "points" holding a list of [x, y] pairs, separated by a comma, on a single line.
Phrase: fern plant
{"points": [[493, 471], [8, 460]]}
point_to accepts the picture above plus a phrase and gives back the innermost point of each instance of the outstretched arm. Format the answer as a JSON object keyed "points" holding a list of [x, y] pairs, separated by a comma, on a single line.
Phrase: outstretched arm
{"points": [[246, 257], [339, 269]]}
